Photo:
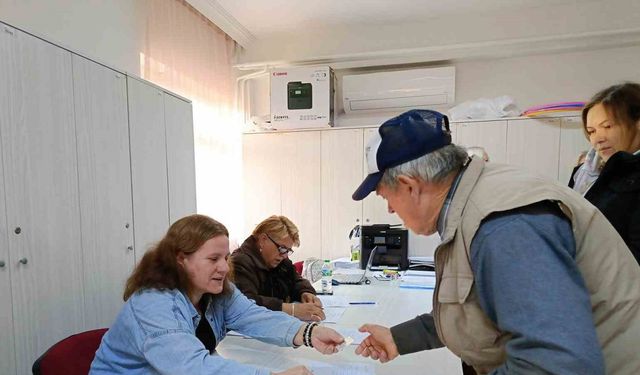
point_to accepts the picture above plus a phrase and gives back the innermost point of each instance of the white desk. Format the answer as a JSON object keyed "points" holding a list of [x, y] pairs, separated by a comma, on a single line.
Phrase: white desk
{"points": [[393, 305]]}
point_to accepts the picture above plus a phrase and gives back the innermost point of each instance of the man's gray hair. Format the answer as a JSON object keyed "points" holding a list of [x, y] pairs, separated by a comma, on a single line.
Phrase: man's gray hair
{"points": [[432, 167]]}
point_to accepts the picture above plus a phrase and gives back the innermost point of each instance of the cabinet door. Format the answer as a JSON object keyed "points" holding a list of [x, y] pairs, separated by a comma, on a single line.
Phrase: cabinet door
{"points": [[341, 157], [491, 135], [104, 177], [262, 161], [148, 164], [181, 166], [572, 143], [41, 182], [300, 192], [7, 349], [374, 208], [535, 145]]}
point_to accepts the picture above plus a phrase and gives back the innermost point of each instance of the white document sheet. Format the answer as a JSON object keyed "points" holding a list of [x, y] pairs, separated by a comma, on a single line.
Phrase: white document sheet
{"points": [[334, 301], [333, 314]]}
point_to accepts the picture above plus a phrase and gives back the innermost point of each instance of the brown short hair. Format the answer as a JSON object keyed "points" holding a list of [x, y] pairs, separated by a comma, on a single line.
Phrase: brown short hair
{"points": [[622, 103], [159, 267], [278, 228]]}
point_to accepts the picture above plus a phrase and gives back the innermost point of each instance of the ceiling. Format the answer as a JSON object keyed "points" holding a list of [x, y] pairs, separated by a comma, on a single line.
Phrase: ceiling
{"points": [[360, 33], [262, 18]]}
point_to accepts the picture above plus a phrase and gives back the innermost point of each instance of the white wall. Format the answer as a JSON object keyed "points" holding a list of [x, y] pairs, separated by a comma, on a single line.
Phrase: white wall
{"points": [[109, 31], [546, 78], [530, 80]]}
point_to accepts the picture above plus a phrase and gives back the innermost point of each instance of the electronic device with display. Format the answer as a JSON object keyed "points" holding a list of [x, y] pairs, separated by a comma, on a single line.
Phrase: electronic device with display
{"points": [[392, 244]]}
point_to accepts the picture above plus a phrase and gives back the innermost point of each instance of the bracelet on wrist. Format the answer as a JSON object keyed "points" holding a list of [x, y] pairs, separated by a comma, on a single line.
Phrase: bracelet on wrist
{"points": [[304, 334], [308, 331]]}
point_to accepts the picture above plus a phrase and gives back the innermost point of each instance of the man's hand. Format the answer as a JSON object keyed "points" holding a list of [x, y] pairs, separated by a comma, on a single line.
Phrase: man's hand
{"points": [[378, 345], [311, 298]]}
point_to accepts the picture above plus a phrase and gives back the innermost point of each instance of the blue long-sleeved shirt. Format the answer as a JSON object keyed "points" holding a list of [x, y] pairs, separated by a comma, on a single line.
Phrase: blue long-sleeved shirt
{"points": [[528, 284], [154, 333]]}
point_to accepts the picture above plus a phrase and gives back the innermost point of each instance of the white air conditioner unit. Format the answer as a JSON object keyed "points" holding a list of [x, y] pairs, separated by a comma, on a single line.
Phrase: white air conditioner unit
{"points": [[398, 90]]}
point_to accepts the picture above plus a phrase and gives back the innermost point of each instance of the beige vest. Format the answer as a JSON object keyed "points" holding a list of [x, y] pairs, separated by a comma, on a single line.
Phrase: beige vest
{"points": [[611, 274]]}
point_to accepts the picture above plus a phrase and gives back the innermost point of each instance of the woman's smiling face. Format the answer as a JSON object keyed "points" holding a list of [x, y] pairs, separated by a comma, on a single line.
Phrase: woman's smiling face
{"points": [[207, 267]]}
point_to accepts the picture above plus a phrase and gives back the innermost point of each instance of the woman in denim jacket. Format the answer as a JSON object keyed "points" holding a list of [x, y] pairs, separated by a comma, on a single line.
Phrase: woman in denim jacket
{"points": [[180, 305]]}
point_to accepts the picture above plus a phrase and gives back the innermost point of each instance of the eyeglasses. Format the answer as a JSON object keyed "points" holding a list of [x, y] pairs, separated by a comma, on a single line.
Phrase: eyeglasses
{"points": [[283, 250]]}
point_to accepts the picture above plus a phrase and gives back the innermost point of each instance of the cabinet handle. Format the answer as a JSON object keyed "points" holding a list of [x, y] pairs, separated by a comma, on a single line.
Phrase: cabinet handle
{"points": [[126, 225], [17, 230], [1, 263], [357, 220], [130, 248], [23, 261]]}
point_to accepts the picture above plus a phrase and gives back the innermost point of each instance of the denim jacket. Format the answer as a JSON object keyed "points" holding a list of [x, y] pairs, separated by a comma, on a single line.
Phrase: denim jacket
{"points": [[154, 333]]}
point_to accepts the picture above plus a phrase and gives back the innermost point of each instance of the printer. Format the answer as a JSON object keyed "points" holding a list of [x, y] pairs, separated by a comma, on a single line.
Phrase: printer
{"points": [[392, 243]]}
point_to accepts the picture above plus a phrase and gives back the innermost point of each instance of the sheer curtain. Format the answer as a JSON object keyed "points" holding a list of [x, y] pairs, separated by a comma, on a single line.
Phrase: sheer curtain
{"points": [[186, 53]]}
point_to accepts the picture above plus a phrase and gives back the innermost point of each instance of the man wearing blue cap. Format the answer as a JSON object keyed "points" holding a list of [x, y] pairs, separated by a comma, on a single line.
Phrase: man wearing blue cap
{"points": [[530, 277]]}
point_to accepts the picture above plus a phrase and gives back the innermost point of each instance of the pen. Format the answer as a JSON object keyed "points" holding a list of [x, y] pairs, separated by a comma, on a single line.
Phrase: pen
{"points": [[362, 303], [417, 287]]}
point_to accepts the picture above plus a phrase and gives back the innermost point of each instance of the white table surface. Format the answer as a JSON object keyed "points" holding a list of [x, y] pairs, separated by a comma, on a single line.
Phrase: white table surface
{"points": [[393, 305]]}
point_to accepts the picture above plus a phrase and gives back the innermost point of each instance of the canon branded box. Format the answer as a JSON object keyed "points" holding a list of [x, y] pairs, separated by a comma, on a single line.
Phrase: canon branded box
{"points": [[301, 98]]}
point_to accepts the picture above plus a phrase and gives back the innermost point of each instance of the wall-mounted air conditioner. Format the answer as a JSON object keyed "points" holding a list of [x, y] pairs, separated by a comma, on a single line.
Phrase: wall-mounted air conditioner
{"points": [[398, 90]]}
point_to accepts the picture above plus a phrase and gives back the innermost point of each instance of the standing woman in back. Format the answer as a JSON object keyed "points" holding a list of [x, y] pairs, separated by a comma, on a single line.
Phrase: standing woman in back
{"points": [[610, 175]]}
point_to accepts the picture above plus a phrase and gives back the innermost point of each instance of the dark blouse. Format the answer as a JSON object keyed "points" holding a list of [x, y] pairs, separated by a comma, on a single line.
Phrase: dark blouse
{"points": [[616, 193]]}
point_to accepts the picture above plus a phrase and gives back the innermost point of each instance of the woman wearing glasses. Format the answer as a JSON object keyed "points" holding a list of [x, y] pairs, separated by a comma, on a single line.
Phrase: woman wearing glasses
{"points": [[261, 269]]}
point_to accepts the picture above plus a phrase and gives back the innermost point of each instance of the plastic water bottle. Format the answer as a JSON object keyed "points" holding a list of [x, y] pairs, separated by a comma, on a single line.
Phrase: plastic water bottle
{"points": [[327, 276]]}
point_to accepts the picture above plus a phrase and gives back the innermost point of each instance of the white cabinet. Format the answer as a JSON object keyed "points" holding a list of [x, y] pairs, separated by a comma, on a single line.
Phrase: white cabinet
{"points": [[262, 163], [300, 189], [535, 145], [7, 352], [341, 157], [282, 177], [181, 171], [491, 135], [148, 164], [41, 192], [68, 193], [572, 142], [104, 179]]}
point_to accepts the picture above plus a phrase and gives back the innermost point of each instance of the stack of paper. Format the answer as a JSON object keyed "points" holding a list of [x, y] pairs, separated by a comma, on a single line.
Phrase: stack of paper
{"points": [[418, 279]]}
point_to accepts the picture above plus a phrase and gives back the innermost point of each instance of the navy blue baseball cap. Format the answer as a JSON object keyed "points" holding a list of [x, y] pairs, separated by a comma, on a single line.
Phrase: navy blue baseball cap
{"points": [[401, 139]]}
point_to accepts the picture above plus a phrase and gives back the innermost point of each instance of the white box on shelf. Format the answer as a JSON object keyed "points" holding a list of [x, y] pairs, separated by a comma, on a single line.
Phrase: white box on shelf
{"points": [[302, 98]]}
